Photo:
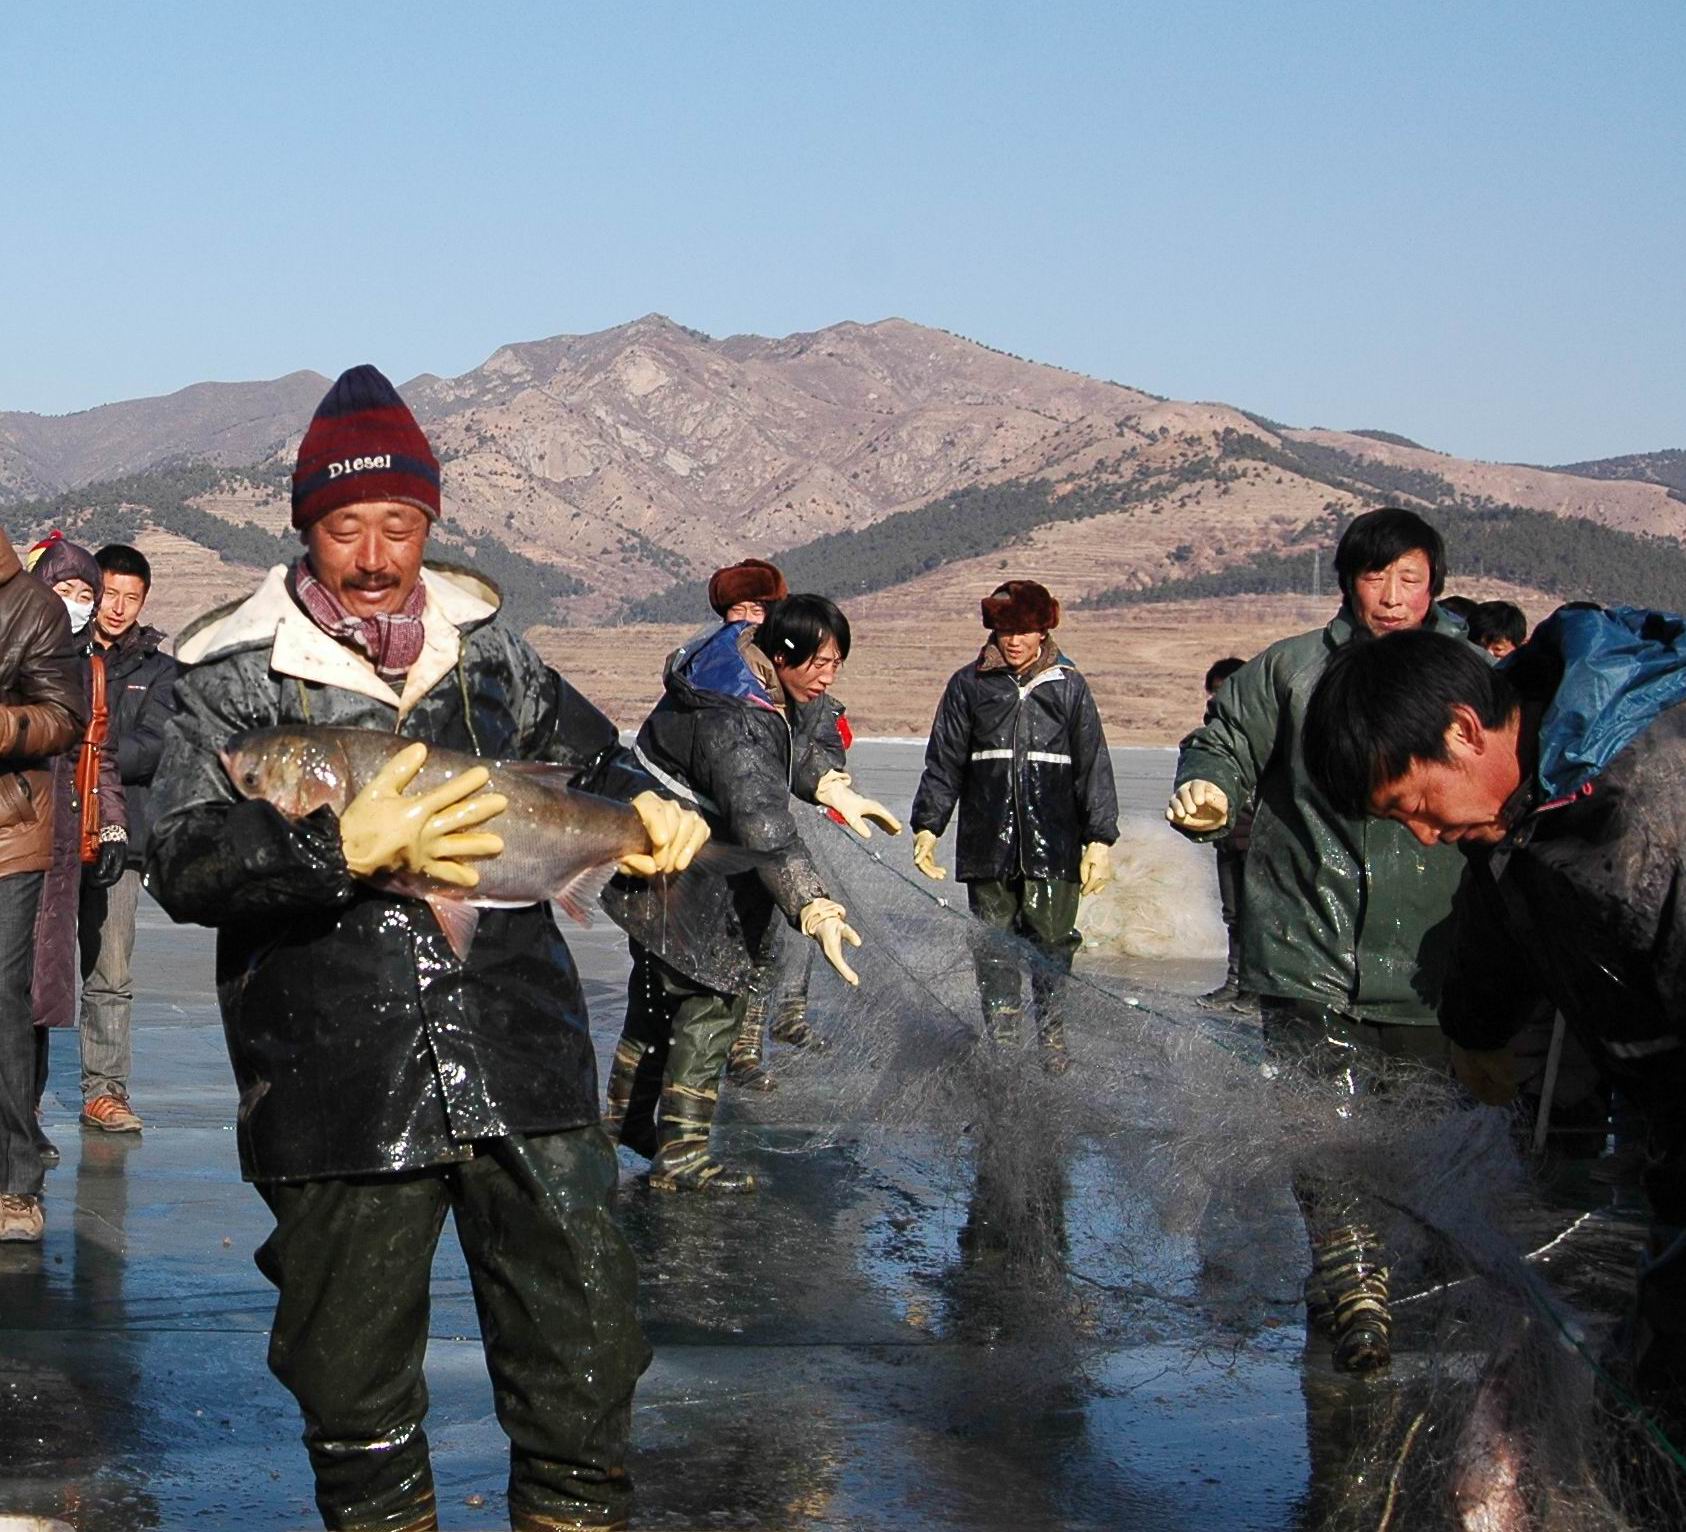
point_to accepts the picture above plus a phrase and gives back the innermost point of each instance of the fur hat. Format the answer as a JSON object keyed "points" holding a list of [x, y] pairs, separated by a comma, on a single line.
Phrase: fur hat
{"points": [[752, 580], [56, 558], [1020, 606], [363, 444]]}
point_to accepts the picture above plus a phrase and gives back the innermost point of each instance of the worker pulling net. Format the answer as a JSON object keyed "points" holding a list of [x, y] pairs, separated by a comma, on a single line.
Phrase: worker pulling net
{"points": [[1115, 1165]]}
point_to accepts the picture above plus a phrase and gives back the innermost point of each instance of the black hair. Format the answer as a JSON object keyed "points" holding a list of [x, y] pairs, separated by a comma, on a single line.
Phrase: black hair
{"points": [[1498, 619], [121, 559], [1377, 538], [794, 629], [1388, 702], [1222, 670], [1460, 606]]}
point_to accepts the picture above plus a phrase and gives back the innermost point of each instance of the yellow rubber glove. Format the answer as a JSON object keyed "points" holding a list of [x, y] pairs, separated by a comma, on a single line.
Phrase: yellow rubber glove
{"points": [[835, 792], [822, 919], [1095, 870], [1488, 1074], [676, 836], [384, 830], [925, 854], [1198, 806]]}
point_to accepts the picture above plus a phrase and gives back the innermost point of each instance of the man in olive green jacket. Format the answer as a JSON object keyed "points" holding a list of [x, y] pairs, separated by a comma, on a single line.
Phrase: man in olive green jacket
{"points": [[1348, 920]]}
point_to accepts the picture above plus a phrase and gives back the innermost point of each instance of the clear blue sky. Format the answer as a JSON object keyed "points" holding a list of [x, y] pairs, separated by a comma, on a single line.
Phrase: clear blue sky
{"points": [[1465, 222]]}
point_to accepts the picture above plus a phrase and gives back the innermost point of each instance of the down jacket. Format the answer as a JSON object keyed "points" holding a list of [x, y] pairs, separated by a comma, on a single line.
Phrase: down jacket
{"points": [[52, 983], [140, 687], [1025, 760], [360, 1042], [1582, 902], [721, 739], [42, 711], [1353, 914]]}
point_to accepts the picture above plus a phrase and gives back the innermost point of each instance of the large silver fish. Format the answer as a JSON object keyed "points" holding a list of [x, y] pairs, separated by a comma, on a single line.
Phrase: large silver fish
{"points": [[557, 842]]}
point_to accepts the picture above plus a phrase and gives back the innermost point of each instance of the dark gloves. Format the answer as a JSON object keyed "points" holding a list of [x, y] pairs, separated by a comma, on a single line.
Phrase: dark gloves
{"points": [[109, 868]]}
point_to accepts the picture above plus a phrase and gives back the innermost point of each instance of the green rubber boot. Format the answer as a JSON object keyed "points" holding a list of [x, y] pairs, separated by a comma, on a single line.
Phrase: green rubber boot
{"points": [[743, 1063], [629, 1106], [682, 1163], [1355, 1288]]}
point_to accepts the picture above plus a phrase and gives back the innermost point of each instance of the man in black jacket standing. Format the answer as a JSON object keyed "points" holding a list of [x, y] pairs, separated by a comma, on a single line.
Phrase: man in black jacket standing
{"points": [[384, 1080], [140, 692], [1017, 745]]}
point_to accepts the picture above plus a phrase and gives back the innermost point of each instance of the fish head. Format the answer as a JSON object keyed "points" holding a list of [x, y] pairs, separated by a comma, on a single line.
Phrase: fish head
{"points": [[296, 770]]}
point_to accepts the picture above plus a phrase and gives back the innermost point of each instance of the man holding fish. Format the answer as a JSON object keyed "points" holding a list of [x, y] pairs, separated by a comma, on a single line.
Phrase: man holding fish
{"points": [[405, 1021]]}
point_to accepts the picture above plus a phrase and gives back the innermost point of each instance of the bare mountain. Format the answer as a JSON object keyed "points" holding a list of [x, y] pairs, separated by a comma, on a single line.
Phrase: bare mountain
{"points": [[608, 468], [226, 423]]}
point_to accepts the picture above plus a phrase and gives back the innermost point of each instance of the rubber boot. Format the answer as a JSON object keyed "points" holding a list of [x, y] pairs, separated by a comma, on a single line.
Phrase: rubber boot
{"points": [[541, 1521], [1047, 989], [743, 1063], [1003, 1026], [1319, 1312], [425, 1518], [790, 1025], [1051, 1041], [1355, 1285], [629, 1102], [682, 1163]]}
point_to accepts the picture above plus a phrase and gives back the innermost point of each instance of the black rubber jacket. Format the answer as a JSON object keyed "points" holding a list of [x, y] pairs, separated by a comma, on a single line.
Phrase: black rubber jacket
{"points": [[360, 1043], [1025, 760], [721, 739]]}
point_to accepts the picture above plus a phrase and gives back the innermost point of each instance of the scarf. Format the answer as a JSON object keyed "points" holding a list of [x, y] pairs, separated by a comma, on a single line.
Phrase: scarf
{"points": [[392, 641]]}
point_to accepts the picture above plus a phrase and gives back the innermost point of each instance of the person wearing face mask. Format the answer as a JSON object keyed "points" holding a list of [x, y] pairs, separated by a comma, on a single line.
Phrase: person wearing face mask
{"points": [[42, 712], [1017, 745], [90, 823], [725, 738]]}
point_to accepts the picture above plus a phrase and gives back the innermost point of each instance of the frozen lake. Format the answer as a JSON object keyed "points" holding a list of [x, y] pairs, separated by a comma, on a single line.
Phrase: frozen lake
{"points": [[825, 1358]]}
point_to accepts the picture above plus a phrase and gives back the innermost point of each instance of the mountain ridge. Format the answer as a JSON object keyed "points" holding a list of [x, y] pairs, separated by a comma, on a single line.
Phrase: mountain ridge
{"points": [[631, 460]]}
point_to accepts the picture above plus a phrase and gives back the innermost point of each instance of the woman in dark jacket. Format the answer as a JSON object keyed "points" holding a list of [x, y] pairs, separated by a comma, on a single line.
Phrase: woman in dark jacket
{"points": [[70, 572], [722, 739]]}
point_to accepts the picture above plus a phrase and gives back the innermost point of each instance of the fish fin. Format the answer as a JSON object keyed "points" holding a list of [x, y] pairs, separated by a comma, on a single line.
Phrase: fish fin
{"points": [[547, 776], [458, 919], [726, 860], [539, 771], [585, 884]]}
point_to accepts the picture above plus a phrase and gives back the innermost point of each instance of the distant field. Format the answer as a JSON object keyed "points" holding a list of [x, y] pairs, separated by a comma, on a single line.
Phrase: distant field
{"points": [[1145, 663]]}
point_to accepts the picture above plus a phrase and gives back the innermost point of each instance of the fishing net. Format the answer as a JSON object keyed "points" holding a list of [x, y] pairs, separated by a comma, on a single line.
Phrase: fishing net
{"points": [[1148, 1195]]}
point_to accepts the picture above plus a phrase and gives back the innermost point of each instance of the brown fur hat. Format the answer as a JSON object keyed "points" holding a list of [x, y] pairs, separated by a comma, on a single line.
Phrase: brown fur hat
{"points": [[752, 580], [1020, 606]]}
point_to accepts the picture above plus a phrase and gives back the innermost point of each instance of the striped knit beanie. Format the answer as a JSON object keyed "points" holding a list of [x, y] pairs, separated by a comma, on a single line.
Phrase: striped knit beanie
{"points": [[363, 444]]}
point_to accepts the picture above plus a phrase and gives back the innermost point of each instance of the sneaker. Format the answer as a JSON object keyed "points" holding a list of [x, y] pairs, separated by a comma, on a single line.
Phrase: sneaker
{"points": [[21, 1218], [48, 1150], [1220, 998], [110, 1114]]}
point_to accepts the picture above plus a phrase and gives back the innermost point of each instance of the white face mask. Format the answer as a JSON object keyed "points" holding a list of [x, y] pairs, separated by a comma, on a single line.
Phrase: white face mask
{"points": [[80, 612]]}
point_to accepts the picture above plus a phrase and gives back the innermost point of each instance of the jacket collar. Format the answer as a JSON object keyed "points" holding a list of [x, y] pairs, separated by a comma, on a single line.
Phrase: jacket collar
{"points": [[1343, 626], [990, 659], [140, 640], [724, 665], [9, 562], [298, 648]]}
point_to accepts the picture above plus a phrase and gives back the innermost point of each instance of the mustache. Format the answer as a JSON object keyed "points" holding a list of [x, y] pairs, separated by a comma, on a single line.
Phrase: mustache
{"points": [[371, 582]]}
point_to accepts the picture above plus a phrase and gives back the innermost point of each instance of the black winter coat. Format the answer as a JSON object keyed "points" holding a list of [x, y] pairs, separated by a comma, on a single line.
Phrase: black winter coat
{"points": [[360, 1043], [819, 742], [1027, 764], [140, 691], [720, 738]]}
